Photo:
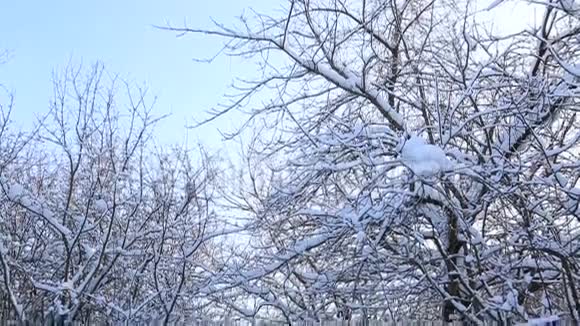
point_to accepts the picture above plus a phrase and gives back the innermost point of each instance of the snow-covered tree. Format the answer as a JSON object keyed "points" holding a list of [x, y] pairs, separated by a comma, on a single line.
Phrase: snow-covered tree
{"points": [[413, 163], [96, 224]]}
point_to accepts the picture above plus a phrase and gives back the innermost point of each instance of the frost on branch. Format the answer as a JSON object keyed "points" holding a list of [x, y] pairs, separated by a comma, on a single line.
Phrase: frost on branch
{"points": [[487, 224], [97, 227]]}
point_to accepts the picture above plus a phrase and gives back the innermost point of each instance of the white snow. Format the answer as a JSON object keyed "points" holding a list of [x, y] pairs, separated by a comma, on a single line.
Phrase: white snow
{"points": [[572, 71], [15, 191], [360, 237], [25, 201], [351, 83], [469, 259], [101, 205], [476, 236], [367, 250], [494, 4], [562, 180], [422, 158], [68, 285], [89, 250], [543, 320]]}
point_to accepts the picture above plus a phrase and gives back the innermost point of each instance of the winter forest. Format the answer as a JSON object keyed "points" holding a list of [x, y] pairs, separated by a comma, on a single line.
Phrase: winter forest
{"points": [[400, 160]]}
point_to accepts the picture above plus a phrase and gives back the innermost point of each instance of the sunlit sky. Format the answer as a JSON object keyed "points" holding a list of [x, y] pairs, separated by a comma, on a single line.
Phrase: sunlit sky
{"points": [[43, 36]]}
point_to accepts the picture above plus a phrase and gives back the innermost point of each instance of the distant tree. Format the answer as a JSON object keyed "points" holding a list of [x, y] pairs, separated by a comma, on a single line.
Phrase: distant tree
{"points": [[411, 163], [96, 225], [11, 144]]}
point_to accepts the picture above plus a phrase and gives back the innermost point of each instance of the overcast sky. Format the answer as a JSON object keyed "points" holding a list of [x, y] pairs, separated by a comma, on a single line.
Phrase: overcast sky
{"points": [[43, 36]]}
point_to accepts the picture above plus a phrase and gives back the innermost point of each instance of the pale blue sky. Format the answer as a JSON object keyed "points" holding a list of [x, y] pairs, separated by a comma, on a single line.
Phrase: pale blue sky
{"points": [[43, 36]]}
